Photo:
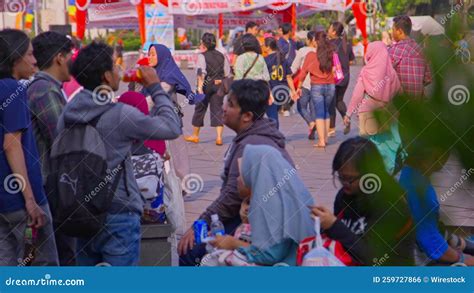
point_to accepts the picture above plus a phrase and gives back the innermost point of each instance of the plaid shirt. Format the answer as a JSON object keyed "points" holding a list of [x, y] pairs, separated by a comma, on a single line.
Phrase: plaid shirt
{"points": [[46, 102], [412, 70]]}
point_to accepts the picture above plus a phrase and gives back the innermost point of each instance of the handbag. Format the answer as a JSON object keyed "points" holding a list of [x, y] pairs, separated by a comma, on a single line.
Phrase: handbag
{"points": [[319, 256], [337, 69], [333, 246], [224, 89], [148, 171], [173, 198]]}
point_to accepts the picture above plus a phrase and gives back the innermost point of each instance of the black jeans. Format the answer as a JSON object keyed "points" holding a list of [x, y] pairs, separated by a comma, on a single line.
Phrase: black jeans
{"points": [[337, 102], [193, 257]]}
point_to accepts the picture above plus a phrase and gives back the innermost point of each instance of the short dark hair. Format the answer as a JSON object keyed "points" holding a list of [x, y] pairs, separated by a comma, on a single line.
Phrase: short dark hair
{"points": [[403, 22], [252, 96], [13, 46], [209, 41], [286, 28], [48, 45], [249, 25], [91, 64], [251, 44]]}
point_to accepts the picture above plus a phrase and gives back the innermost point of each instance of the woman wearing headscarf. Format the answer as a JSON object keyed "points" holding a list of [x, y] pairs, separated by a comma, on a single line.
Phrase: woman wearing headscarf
{"points": [[173, 81], [278, 215], [376, 86]]}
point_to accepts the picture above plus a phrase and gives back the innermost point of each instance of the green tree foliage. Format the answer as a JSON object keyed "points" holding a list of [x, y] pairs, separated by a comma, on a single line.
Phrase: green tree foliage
{"points": [[396, 7], [443, 120]]}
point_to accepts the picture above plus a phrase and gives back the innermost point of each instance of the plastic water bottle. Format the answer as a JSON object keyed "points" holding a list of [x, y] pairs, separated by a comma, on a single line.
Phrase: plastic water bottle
{"points": [[217, 228], [30, 246]]}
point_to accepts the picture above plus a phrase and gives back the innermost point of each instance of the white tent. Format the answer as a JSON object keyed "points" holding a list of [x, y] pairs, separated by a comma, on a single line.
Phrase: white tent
{"points": [[426, 25]]}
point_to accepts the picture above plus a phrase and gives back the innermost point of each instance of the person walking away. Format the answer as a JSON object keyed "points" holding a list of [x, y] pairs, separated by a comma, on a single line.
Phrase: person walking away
{"points": [[251, 64], [280, 221], [23, 202], [212, 68], [376, 86], [371, 222], [46, 100], [304, 104], [120, 125], [250, 28], [407, 59], [319, 66], [281, 80], [288, 49], [244, 111], [338, 39]]}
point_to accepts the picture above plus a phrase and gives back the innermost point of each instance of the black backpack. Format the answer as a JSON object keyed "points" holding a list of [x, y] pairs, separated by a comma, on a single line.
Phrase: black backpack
{"points": [[80, 186]]}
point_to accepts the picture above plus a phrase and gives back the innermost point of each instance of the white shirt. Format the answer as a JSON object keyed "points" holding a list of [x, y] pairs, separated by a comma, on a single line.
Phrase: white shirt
{"points": [[298, 63]]}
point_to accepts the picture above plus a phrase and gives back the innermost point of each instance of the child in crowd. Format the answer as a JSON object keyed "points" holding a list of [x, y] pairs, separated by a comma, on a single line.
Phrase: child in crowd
{"points": [[281, 81], [278, 212], [242, 237]]}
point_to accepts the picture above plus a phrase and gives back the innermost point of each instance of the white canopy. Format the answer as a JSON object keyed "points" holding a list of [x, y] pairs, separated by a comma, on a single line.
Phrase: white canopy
{"points": [[427, 25]]}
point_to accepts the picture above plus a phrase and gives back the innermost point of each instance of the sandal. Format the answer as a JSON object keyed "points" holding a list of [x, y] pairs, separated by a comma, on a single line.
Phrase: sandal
{"points": [[193, 139]]}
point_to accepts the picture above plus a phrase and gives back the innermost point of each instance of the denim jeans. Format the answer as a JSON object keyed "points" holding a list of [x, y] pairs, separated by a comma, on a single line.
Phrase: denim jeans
{"points": [[117, 244], [305, 106], [12, 240], [322, 95], [272, 113]]}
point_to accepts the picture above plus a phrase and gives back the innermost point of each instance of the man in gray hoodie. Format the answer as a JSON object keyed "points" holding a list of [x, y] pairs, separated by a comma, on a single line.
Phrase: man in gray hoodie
{"points": [[244, 113], [120, 126]]}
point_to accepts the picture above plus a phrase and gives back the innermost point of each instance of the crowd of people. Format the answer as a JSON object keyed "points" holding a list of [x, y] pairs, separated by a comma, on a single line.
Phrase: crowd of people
{"points": [[76, 152]]}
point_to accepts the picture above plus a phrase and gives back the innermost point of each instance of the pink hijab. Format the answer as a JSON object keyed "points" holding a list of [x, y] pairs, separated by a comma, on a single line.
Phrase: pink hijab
{"points": [[378, 77], [138, 101]]}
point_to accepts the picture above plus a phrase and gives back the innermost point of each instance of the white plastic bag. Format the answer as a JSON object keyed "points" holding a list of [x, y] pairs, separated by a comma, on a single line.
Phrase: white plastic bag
{"points": [[320, 256], [173, 199]]}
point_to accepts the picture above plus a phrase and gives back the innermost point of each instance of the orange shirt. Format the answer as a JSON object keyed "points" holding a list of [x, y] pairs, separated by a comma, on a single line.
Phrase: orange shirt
{"points": [[311, 66]]}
